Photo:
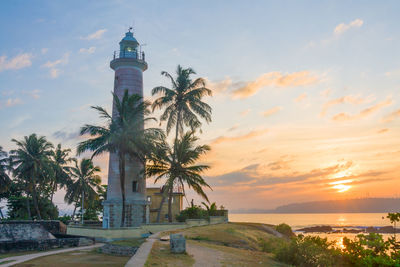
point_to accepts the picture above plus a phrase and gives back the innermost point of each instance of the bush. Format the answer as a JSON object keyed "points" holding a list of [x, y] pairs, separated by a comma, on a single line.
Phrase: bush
{"points": [[306, 251], [193, 212], [65, 219], [285, 229], [272, 244]]}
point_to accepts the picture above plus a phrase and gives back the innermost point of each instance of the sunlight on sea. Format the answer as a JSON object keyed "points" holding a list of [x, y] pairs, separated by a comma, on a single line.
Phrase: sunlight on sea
{"points": [[301, 220]]}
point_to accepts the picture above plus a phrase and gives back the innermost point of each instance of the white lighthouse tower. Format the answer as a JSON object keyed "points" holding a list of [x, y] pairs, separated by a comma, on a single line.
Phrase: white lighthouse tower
{"points": [[129, 64]]}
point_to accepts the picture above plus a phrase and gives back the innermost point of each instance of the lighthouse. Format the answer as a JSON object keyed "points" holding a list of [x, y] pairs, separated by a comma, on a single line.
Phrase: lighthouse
{"points": [[128, 64]]}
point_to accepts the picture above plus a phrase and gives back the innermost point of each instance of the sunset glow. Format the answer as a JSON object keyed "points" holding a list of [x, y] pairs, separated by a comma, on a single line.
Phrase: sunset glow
{"points": [[302, 109]]}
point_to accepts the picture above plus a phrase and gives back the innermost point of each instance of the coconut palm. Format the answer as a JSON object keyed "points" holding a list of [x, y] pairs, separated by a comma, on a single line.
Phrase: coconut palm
{"points": [[85, 184], [5, 180], [182, 102], [177, 166], [60, 160], [123, 134], [32, 164]]}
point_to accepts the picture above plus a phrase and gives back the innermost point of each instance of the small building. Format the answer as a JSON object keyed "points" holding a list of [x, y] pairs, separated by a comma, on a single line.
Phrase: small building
{"points": [[155, 197]]}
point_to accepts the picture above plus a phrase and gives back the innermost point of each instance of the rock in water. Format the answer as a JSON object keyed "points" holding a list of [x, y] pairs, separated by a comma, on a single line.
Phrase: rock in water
{"points": [[177, 243]]}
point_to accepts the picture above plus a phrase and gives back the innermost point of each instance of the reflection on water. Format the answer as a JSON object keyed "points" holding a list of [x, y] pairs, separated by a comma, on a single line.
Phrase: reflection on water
{"points": [[297, 221], [301, 220]]}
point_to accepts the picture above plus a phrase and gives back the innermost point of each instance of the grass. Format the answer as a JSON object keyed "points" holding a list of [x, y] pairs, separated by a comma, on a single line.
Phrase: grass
{"points": [[244, 236], [13, 254], [77, 258], [239, 243], [4, 262], [131, 242], [161, 256]]}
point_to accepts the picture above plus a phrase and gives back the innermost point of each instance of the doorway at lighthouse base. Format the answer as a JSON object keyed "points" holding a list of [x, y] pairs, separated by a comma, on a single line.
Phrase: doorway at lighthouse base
{"points": [[136, 213]]}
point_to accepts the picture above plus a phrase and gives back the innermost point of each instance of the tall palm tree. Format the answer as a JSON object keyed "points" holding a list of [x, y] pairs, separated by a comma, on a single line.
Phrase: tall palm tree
{"points": [[5, 180], [60, 160], [32, 164], [123, 134], [85, 184], [183, 101], [178, 167]]}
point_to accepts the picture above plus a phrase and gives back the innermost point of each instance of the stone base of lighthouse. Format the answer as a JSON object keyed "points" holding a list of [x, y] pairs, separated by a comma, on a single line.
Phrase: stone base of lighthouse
{"points": [[137, 212]]}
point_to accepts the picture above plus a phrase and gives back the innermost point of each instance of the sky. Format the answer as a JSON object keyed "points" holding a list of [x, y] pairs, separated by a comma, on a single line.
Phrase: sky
{"points": [[306, 102]]}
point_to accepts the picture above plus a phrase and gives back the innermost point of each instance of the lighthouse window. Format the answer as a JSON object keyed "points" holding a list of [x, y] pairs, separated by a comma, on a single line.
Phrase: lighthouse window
{"points": [[129, 49], [134, 186]]}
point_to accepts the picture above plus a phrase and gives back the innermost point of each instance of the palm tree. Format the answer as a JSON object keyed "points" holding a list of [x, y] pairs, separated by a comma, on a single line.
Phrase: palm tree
{"points": [[211, 208], [85, 185], [32, 164], [178, 166], [124, 134], [5, 180], [183, 101], [60, 160]]}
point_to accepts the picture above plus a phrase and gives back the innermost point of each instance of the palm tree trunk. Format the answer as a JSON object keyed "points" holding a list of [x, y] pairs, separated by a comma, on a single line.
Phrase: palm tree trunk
{"points": [[28, 207], [73, 213], [159, 210], [53, 190], [122, 183], [82, 200], [35, 201], [170, 204]]}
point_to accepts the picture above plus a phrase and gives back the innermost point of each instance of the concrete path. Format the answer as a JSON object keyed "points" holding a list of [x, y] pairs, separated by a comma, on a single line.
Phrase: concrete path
{"points": [[204, 256], [28, 257], [140, 257]]}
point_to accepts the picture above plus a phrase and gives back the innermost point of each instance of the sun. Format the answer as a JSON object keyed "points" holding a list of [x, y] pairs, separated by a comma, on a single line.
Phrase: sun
{"points": [[341, 186]]}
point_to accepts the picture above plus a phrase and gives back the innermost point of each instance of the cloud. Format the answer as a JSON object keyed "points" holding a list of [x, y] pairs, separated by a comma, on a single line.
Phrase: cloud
{"points": [[244, 113], [277, 79], [383, 130], [392, 116], [44, 51], [258, 175], [55, 72], [271, 111], [219, 86], [364, 113], [234, 127], [65, 135], [89, 50], [33, 93], [18, 121], [326, 92], [96, 35], [349, 99], [10, 102], [15, 63], [252, 134], [343, 27], [300, 98]]}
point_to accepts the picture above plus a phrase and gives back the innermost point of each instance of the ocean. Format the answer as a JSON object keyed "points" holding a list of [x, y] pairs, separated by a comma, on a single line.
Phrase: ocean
{"points": [[301, 220]]}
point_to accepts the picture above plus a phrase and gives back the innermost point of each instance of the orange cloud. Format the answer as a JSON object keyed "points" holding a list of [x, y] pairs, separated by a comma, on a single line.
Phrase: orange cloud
{"points": [[343, 27], [271, 111], [349, 99], [364, 113], [300, 98], [249, 135], [278, 79], [391, 116]]}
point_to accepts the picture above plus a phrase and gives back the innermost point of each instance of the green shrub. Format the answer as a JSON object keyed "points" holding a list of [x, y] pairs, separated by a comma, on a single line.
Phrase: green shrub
{"points": [[284, 229], [307, 251], [194, 212], [272, 244]]}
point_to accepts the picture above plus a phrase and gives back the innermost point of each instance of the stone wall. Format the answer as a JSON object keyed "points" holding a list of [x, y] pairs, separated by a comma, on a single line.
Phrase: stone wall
{"points": [[46, 244], [22, 231], [52, 226], [118, 250]]}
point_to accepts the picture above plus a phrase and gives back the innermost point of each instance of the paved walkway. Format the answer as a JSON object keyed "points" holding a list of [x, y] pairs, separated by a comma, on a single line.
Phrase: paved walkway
{"points": [[28, 257], [204, 256], [140, 257]]}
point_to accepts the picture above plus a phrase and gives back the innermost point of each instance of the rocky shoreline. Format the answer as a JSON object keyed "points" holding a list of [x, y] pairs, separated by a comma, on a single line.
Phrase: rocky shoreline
{"points": [[349, 229]]}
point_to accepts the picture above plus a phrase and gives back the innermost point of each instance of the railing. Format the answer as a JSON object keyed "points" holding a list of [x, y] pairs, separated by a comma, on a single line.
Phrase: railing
{"points": [[129, 54]]}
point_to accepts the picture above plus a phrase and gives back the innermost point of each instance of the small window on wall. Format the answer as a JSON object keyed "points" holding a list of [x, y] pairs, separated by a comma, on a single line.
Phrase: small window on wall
{"points": [[134, 186], [166, 216], [149, 198]]}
